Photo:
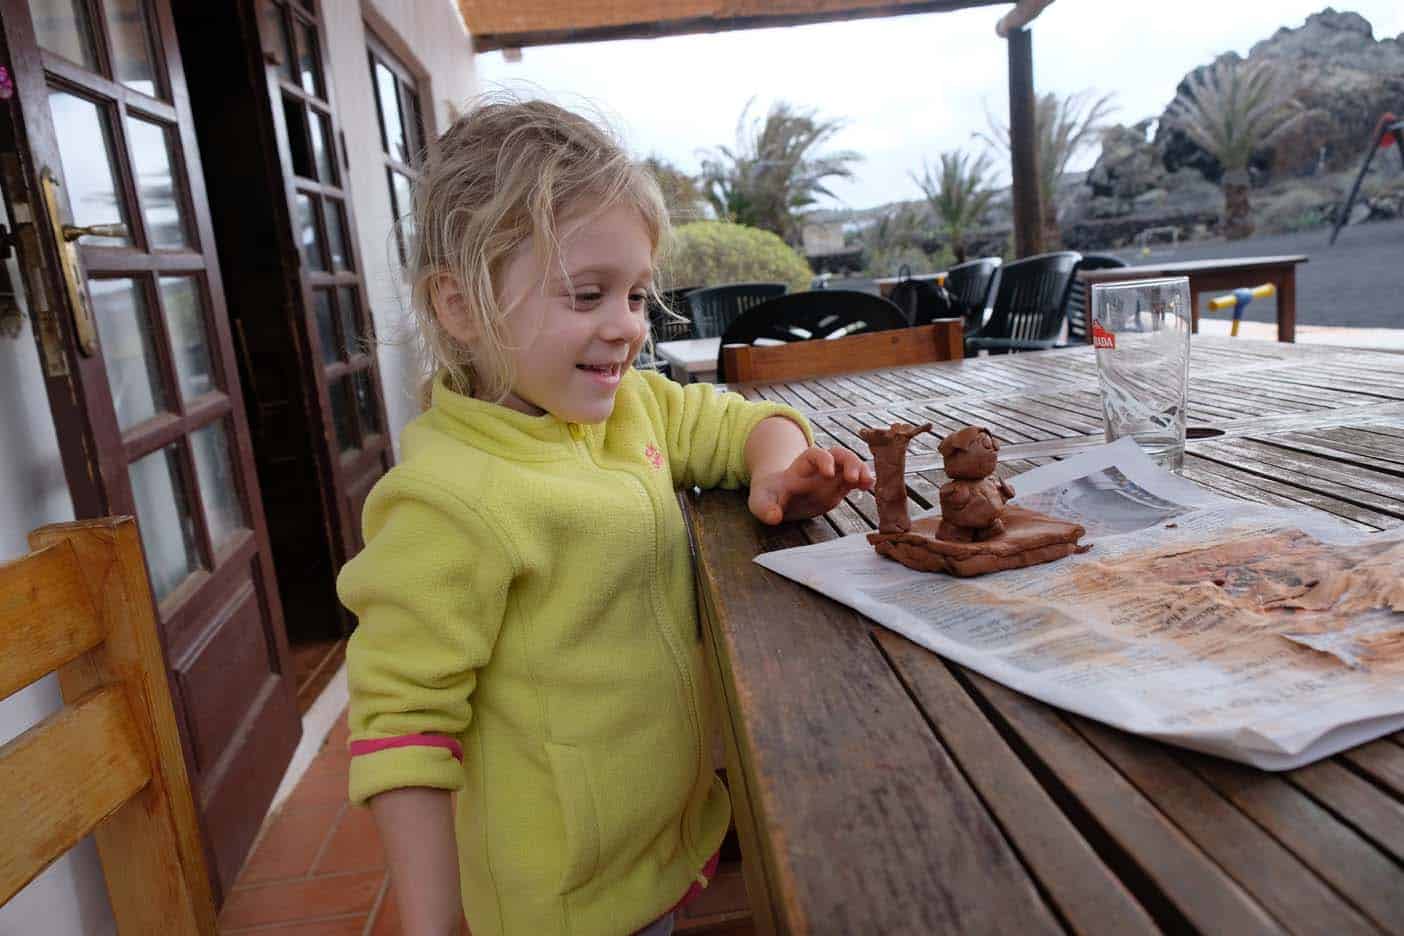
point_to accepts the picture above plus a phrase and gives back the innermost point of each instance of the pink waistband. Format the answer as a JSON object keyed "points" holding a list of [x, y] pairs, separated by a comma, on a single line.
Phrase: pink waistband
{"points": [[371, 745], [708, 872]]}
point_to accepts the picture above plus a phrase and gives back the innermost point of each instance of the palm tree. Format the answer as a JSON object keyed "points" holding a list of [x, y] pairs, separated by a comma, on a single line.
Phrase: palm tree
{"points": [[1233, 109], [1063, 127], [774, 171], [959, 194], [681, 192]]}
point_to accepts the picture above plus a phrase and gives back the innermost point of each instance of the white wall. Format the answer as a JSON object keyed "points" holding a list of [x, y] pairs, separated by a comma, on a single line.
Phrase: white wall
{"points": [[69, 898], [430, 39]]}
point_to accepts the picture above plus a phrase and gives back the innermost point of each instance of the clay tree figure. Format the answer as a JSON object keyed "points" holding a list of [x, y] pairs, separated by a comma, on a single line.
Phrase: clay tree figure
{"points": [[973, 500], [889, 448]]}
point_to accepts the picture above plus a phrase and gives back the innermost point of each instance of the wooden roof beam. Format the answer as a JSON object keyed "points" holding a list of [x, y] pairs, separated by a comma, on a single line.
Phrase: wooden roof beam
{"points": [[1023, 13]]}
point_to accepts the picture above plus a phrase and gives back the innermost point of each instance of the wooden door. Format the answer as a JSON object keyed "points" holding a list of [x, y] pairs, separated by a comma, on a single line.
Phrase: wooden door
{"points": [[99, 151], [354, 444]]}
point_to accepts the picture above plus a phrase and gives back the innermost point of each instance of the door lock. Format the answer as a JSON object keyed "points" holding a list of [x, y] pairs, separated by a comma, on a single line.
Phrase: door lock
{"points": [[84, 327]]}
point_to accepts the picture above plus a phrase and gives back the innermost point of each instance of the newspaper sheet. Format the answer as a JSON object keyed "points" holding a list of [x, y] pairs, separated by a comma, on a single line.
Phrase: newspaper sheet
{"points": [[1266, 635]]}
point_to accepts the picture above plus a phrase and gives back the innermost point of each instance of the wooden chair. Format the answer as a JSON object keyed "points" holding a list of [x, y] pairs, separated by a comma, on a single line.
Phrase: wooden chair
{"points": [[110, 761], [942, 340]]}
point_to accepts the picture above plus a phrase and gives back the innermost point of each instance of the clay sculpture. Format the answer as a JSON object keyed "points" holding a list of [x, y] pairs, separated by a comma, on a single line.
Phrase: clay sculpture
{"points": [[977, 531]]}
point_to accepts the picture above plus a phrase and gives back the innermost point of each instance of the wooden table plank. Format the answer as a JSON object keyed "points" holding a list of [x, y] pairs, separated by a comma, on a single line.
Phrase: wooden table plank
{"points": [[1174, 879], [896, 844], [1089, 896], [1288, 889], [1351, 864]]}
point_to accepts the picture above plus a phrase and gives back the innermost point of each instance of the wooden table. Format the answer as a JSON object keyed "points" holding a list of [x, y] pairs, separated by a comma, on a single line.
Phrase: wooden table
{"points": [[1222, 275], [880, 789]]}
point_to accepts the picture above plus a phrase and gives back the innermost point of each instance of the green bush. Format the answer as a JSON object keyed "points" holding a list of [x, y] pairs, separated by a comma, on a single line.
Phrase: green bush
{"points": [[714, 253]]}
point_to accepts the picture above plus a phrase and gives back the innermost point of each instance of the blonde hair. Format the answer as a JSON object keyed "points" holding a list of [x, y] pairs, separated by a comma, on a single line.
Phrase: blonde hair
{"points": [[504, 173]]}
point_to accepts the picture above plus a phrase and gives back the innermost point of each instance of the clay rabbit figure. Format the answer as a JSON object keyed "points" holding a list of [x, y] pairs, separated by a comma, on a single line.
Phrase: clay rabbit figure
{"points": [[972, 501]]}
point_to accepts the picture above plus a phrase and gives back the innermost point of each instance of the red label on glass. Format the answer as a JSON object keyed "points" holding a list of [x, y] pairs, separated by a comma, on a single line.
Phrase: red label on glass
{"points": [[1101, 338]]}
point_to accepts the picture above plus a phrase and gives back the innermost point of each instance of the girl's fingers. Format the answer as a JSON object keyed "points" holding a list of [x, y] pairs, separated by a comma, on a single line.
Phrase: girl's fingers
{"points": [[823, 461]]}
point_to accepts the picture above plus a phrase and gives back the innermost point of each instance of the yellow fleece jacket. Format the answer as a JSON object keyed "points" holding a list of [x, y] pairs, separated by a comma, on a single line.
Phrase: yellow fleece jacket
{"points": [[526, 592]]}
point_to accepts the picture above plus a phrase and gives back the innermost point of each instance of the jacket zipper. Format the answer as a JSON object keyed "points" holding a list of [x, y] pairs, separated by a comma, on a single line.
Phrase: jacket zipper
{"points": [[577, 434]]}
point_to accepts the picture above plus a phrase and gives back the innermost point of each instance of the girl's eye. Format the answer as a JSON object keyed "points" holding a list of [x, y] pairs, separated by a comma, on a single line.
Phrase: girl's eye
{"points": [[587, 298], [638, 299]]}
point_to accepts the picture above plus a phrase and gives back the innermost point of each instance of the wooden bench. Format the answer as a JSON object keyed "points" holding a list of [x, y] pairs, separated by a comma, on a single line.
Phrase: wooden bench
{"points": [[109, 761], [942, 340]]}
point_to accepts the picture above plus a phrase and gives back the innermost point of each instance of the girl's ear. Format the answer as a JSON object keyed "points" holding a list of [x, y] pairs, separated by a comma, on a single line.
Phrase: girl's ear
{"points": [[450, 309]]}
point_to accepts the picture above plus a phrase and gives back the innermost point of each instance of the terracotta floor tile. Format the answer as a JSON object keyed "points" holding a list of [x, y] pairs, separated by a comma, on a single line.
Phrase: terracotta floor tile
{"points": [[387, 919], [302, 900], [341, 926], [339, 734], [323, 784], [354, 844], [291, 843]]}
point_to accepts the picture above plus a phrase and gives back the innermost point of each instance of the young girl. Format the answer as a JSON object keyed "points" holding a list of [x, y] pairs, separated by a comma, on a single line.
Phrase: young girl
{"points": [[527, 626]]}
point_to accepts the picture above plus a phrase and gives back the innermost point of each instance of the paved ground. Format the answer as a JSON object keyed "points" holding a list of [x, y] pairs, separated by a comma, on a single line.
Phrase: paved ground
{"points": [[1358, 283]]}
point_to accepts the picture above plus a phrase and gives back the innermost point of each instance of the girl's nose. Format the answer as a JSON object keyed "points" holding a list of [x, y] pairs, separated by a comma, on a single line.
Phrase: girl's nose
{"points": [[624, 323]]}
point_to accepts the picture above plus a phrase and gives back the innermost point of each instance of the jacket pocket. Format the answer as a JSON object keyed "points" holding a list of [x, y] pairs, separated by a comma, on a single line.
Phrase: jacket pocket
{"points": [[582, 833]]}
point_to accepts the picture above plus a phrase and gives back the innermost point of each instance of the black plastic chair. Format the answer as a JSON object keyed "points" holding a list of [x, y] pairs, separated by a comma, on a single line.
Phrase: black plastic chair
{"points": [[814, 315], [716, 307], [969, 287], [922, 301], [667, 321], [1078, 295], [1029, 305]]}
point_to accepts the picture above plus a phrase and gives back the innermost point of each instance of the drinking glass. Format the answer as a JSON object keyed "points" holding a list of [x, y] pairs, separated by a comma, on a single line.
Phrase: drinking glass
{"points": [[1141, 333]]}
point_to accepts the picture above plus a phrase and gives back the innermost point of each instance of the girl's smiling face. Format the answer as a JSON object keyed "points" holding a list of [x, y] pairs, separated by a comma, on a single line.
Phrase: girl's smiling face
{"points": [[572, 332]]}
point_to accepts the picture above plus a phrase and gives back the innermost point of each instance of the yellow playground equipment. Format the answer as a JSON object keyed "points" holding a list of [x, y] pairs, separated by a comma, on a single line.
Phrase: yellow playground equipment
{"points": [[1238, 300]]}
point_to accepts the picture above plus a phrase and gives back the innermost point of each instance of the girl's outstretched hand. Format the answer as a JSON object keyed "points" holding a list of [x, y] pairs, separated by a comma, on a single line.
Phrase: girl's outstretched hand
{"points": [[815, 482]]}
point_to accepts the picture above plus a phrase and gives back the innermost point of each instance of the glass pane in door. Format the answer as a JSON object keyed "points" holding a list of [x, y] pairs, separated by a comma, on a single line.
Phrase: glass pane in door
{"points": [[308, 237], [322, 153], [163, 516], [365, 403], [326, 328], [342, 416], [128, 349], [133, 62], [391, 124], [308, 68], [350, 321], [219, 491], [62, 27], [190, 347], [85, 149], [336, 233], [161, 203]]}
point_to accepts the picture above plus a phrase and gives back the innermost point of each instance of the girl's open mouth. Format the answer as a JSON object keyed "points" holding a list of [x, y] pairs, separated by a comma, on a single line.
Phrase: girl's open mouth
{"points": [[609, 371]]}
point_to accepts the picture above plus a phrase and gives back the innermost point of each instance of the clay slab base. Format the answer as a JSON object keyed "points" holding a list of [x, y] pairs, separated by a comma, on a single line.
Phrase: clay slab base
{"points": [[1029, 538]]}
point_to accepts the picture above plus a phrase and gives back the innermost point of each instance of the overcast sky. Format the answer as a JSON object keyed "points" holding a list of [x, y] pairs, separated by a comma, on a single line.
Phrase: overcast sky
{"points": [[909, 87]]}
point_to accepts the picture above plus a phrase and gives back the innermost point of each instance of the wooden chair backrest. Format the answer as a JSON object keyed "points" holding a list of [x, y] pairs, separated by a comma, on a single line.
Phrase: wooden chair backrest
{"points": [[942, 340], [110, 761]]}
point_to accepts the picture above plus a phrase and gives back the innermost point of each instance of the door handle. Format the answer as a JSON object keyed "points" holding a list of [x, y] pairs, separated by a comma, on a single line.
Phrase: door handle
{"points": [[72, 233], [85, 329]]}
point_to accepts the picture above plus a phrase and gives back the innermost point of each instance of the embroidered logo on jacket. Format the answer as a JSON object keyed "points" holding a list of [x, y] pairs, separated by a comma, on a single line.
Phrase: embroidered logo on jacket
{"points": [[654, 456]]}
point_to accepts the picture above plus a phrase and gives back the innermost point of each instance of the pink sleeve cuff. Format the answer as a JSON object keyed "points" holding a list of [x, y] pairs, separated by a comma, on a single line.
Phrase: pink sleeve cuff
{"points": [[371, 745]]}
